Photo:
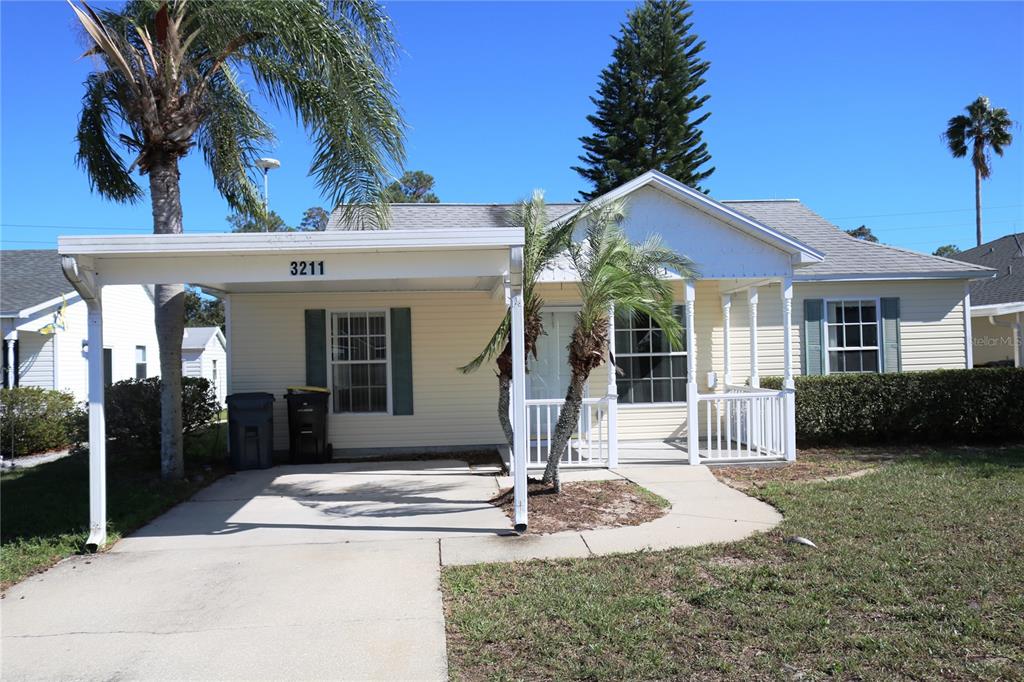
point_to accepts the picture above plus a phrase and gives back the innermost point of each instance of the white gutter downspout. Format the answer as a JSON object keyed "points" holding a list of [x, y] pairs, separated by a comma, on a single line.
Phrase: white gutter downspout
{"points": [[85, 284]]}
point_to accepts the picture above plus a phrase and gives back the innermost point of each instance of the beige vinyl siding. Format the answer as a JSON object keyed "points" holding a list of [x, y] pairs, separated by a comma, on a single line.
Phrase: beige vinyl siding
{"points": [[931, 323], [448, 330], [35, 359]]}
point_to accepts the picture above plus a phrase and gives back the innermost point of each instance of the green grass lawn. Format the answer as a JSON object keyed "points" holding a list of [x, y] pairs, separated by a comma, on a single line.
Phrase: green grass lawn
{"points": [[919, 575], [44, 510]]}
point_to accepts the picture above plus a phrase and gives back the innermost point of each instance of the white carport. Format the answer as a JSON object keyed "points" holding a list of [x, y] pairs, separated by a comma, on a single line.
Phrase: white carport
{"points": [[339, 261]]}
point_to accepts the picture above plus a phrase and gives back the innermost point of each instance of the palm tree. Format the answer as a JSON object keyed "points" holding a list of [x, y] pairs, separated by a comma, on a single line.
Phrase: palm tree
{"points": [[544, 242], [983, 128], [614, 274], [172, 78]]}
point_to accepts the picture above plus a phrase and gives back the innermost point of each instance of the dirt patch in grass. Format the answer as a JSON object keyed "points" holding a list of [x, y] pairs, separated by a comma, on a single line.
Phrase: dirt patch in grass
{"points": [[810, 465], [585, 505]]}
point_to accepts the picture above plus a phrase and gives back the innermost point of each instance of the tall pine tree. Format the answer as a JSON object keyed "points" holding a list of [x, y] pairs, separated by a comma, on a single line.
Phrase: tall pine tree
{"points": [[648, 110]]}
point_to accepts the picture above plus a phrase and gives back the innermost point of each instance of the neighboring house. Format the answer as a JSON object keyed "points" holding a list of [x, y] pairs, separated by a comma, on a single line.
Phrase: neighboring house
{"points": [[384, 318], [204, 354], [997, 305], [44, 326]]}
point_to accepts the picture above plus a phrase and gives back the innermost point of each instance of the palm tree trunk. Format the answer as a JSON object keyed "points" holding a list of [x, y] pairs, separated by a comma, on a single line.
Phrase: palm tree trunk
{"points": [[566, 424], [977, 202], [504, 400], [165, 193]]}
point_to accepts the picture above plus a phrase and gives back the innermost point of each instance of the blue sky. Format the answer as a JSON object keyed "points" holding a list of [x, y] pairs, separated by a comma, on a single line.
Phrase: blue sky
{"points": [[839, 104]]}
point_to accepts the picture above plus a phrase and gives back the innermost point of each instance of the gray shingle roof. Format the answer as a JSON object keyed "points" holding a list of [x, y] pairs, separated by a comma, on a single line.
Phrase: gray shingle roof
{"points": [[29, 277], [1006, 256], [441, 216], [846, 255], [196, 338]]}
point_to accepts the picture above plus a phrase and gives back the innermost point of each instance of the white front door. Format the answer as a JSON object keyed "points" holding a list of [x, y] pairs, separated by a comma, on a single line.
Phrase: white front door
{"points": [[548, 373]]}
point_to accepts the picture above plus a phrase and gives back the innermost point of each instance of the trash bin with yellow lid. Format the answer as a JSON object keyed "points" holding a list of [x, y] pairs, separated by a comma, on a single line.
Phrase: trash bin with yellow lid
{"points": [[307, 424]]}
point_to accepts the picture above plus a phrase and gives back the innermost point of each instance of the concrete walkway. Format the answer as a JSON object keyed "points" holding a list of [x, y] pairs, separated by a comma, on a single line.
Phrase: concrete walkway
{"points": [[315, 572]]}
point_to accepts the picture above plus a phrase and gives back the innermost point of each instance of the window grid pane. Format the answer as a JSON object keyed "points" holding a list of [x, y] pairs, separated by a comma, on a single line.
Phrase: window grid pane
{"points": [[852, 336], [359, 358], [650, 370]]}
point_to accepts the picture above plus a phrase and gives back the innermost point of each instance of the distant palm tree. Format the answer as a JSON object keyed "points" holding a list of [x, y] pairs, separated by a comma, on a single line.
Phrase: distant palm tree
{"points": [[172, 80], [615, 273], [545, 240], [983, 128]]}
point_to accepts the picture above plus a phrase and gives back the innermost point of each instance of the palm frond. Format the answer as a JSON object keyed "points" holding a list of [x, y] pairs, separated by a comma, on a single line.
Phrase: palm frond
{"points": [[97, 126]]}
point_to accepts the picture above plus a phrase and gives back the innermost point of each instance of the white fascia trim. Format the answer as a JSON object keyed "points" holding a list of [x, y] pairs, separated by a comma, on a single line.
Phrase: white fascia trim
{"points": [[285, 242], [30, 311], [801, 252], [996, 309], [882, 277]]}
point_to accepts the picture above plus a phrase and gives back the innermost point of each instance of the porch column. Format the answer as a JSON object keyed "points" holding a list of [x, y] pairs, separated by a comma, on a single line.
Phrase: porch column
{"points": [[227, 343], [521, 438], [789, 414], [612, 396], [755, 378], [692, 407], [97, 430], [12, 369], [1018, 343], [726, 350]]}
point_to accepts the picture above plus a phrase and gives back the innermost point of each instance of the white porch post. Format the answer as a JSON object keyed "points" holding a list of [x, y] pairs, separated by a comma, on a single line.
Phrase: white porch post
{"points": [[789, 414], [97, 428], [726, 349], [612, 397], [968, 334], [12, 370], [692, 407], [755, 378], [521, 438], [1018, 343], [227, 342]]}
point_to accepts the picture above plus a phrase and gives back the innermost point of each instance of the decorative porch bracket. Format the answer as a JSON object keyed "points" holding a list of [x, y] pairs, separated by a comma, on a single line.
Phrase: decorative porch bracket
{"points": [[521, 440], [84, 282]]}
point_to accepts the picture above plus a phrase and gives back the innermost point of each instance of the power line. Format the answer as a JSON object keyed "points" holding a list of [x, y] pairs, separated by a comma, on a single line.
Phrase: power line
{"points": [[952, 210], [138, 230], [935, 227]]}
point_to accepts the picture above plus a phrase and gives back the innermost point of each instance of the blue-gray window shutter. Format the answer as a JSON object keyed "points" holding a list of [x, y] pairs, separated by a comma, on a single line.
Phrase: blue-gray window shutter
{"points": [[401, 361], [890, 345], [316, 348], [814, 343]]}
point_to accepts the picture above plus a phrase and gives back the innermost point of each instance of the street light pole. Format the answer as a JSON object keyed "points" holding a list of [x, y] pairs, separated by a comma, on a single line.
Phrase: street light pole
{"points": [[266, 164]]}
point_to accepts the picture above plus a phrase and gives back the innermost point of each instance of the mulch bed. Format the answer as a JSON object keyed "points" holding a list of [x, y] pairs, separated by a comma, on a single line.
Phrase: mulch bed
{"points": [[585, 505]]}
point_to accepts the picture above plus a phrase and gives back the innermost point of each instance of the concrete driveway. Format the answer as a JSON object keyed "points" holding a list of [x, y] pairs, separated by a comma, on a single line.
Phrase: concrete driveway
{"points": [[305, 572]]}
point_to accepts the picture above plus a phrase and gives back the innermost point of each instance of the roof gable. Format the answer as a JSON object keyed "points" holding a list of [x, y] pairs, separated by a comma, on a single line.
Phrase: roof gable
{"points": [[1006, 256], [198, 338], [30, 277]]}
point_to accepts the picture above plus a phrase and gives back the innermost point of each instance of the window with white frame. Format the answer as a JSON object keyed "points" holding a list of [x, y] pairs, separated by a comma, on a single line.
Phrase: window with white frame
{"points": [[852, 336], [651, 370], [359, 361], [141, 370]]}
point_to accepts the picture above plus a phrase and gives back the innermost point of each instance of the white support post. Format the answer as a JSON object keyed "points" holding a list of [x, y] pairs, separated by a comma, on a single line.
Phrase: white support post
{"points": [[227, 342], [755, 378], [97, 428], [789, 414], [612, 396], [968, 334], [12, 370], [520, 440], [726, 348], [1018, 343], [692, 406]]}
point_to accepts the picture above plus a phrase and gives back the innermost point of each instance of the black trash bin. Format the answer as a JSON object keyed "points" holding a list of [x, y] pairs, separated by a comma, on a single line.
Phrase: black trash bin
{"points": [[251, 430], [307, 424]]}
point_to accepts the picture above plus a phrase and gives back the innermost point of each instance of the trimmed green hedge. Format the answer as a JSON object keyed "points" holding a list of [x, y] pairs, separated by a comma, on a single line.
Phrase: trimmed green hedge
{"points": [[36, 420], [133, 412], [958, 405]]}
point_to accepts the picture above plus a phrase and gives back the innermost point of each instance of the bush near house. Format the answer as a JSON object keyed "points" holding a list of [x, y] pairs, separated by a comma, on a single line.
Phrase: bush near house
{"points": [[133, 411], [961, 405], [35, 420]]}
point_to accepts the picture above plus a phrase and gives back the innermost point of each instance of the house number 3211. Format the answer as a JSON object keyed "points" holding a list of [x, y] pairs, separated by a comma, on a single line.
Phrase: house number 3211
{"points": [[307, 267]]}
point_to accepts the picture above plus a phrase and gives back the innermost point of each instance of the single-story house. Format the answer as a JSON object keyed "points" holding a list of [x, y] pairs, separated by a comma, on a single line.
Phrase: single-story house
{"points": [[997, 304], [43, 322], [384, 318], [204, 354]]}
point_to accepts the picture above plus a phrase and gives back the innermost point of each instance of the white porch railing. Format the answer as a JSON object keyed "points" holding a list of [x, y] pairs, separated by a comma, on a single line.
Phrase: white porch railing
{"points": [[743, 423], [588, 444]]}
